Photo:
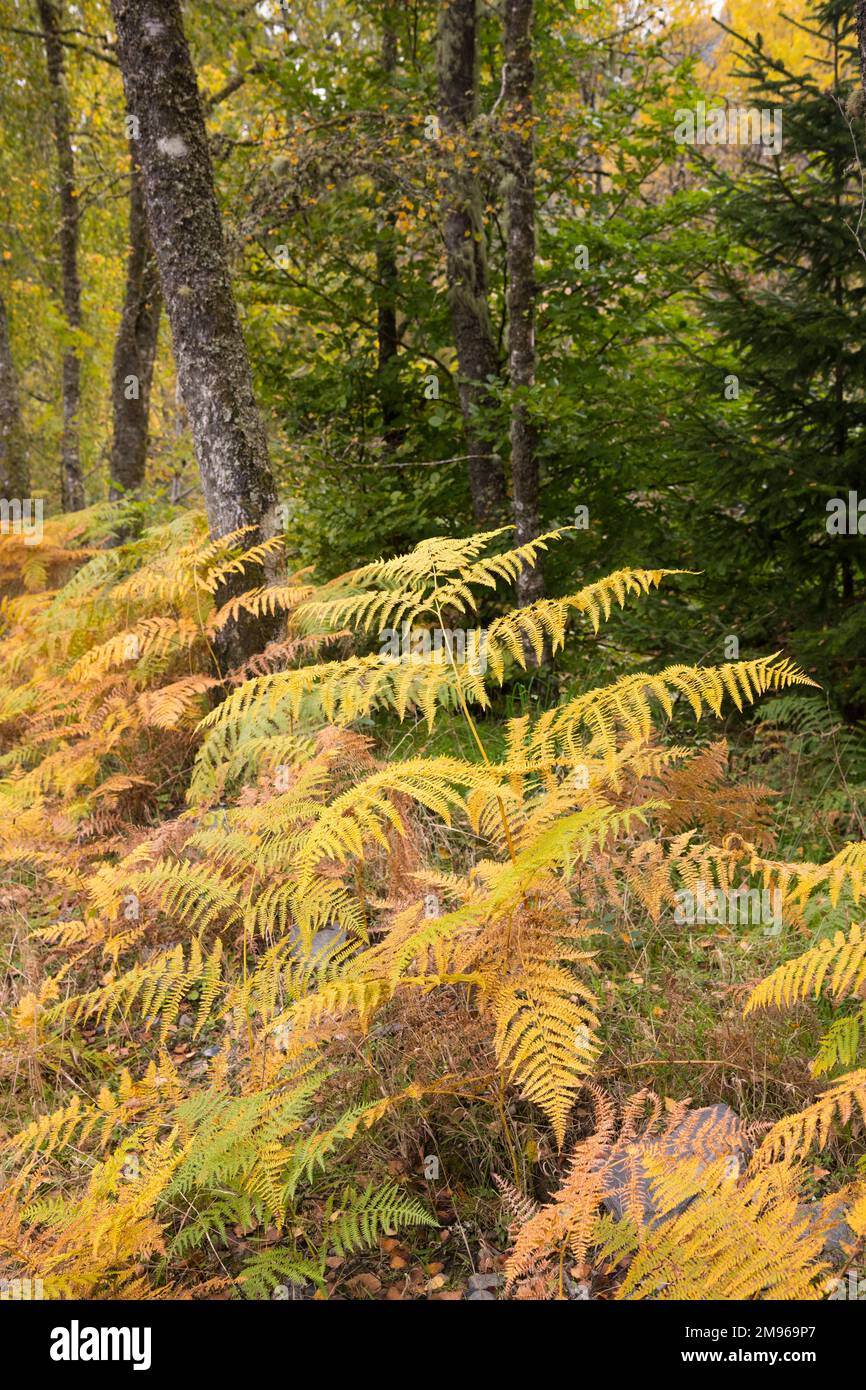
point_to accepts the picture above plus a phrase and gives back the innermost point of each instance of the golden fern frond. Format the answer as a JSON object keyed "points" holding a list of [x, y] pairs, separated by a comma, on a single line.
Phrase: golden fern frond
{"points": [[448, 554], [255, 556], [856, 1212], [253, 753], [152, 637], [338, 691], [157, 989], [439, 574], [845, 869], [168, 706], [567, 1221], [368, 807], [81, 1121], [264, 601], [547, 618], [503, 890], [627, 704], [792, 1136], [597, 599], [645, 1169], [545, 1035], [733, 1240], [337, 996], [840, 964], [195, 893]]}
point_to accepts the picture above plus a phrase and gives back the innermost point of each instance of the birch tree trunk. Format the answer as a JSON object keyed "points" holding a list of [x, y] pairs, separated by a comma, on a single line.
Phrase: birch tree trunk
{"points": [[466, 258], [71, 481], [14, 476], [135, 349], [187, 235], [520, 215]]}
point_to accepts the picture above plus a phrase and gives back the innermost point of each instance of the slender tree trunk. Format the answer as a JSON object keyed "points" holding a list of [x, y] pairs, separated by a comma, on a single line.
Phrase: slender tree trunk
{"points": [[186, 231], [520, 215], [135, 349], [861, 40], [466, 258], [14, 474], [71, 481], [387, 283]]}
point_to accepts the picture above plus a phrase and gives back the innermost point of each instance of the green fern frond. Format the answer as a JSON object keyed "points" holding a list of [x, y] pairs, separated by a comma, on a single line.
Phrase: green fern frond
{"points": [[357, 1219], [265, 1274]]}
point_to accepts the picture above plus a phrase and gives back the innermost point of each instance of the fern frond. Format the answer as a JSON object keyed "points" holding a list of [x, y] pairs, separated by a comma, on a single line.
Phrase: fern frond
{"points": [[627, 704], [166, 707], [732, 1241], [839, 964], [266, 1273], [793, 1136], [359, 1218]]}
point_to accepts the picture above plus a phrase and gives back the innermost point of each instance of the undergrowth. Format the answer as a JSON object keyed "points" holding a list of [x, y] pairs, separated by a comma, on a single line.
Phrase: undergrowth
{"points": [[358, 940]]}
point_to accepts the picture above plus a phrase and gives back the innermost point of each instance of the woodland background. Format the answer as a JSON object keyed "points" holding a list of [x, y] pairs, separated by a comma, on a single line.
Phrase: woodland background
{"points": [[702, 263]]}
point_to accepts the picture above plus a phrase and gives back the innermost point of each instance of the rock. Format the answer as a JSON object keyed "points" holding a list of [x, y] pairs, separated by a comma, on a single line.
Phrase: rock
{"points": [[485, 1282], [707, 1133], [482, 1293], [323, 947], [839, 1239]]}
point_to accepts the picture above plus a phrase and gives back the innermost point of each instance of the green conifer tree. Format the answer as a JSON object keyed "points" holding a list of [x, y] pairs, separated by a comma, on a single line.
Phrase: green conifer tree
{"points": [[789, 306]]}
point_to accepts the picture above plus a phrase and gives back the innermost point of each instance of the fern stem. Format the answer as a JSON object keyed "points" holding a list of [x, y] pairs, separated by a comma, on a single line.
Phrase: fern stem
{"points": [[471, 724], [506, 1132]]}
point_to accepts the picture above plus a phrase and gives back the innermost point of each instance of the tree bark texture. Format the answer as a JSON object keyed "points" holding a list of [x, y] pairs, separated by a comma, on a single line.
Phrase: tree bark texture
{"points": [[387, 282], [71, 480], [135, 349], [466, 258], [520, 216], [14, 475], [187, 236], [861, 40]]}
